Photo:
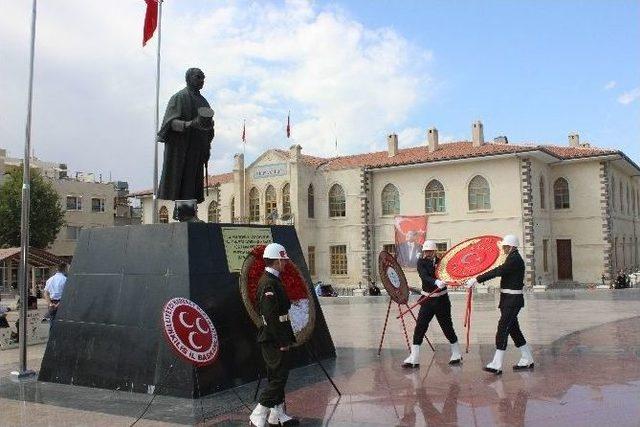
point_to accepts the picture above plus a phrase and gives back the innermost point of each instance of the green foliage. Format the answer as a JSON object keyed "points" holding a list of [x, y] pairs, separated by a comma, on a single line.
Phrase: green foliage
{"points": [[46, 214]]}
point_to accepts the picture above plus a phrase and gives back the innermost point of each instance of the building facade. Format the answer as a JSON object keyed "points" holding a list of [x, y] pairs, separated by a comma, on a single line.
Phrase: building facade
{"points": [[575, 208], [87, 201]]}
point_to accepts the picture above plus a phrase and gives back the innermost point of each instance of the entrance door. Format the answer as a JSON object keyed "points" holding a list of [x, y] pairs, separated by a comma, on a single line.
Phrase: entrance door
{"points": [[565, 264]]}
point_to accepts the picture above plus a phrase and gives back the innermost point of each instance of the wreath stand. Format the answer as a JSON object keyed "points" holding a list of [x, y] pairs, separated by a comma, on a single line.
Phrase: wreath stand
{"points": [[404, 326], [395, 283]]}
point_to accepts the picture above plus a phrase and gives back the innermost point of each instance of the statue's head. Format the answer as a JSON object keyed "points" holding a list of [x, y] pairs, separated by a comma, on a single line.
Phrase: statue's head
{"points": [[194, 78]]}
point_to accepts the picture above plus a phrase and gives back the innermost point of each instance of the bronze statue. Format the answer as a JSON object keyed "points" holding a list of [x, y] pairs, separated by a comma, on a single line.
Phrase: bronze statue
{"points": [[187, 131]]}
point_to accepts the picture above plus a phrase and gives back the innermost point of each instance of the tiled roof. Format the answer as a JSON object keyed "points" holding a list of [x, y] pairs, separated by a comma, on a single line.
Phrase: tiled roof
{"points": [[222, 178], [446, 151], [453, 151], [37, 257], [567, 153]]}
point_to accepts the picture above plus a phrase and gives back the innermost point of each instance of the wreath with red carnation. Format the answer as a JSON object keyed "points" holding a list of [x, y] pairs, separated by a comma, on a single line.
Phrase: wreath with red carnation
{"points": [[302, 313]]}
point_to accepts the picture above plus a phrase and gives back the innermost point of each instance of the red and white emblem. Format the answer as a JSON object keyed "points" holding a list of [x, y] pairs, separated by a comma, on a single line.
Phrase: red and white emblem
{"points": [[190, 332]]}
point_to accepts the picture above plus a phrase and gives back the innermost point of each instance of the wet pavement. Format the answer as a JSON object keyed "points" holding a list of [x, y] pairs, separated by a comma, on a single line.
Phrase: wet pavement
{"points": [[586, 346]]}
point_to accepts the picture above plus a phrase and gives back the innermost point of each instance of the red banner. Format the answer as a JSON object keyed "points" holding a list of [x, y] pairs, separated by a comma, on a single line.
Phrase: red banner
{"points": [[410, 234]]}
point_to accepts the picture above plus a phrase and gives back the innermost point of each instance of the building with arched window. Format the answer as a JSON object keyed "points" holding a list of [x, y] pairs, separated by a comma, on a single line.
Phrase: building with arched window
{"points": [[390, 200], [434, 197], [558, 199]]}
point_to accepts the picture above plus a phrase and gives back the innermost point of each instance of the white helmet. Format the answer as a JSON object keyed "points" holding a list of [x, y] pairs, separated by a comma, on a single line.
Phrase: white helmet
{"points": [[429, 245], [510, 240], [275, 251]]}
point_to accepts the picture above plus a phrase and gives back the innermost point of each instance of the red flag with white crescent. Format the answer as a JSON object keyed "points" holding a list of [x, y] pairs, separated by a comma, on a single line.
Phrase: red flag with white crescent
{"points": [[289, 125], [150, 20]]}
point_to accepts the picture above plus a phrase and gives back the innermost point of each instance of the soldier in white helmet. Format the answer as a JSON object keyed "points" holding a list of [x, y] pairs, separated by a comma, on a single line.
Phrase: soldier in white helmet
{"points": [[437, 305], [511, 274], [275, 337]]}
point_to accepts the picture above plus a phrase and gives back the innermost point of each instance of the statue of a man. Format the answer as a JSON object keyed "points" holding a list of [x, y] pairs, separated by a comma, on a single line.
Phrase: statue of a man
{"points": [[187, 131]]}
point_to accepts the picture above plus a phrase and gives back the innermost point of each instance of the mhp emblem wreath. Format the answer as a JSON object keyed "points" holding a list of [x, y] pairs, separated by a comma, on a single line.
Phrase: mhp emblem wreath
{"points": [[302, 313], [190, 332]]}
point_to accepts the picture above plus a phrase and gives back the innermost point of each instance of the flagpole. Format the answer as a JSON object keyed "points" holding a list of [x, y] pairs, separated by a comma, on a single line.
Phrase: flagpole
{"points": [[23, 279], [154, 216], [244, 159]]}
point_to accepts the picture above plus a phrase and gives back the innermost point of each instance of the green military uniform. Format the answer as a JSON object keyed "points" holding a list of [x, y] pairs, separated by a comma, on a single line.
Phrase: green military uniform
{"points": [[275, 332]]}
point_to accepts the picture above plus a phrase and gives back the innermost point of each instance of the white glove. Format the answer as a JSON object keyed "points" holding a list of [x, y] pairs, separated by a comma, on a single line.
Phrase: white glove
{"points": [[440, 284], [471, 283]]}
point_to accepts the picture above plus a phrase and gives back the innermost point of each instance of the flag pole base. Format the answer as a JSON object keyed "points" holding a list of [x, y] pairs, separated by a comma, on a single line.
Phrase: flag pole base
{"points": [[23, 375]]}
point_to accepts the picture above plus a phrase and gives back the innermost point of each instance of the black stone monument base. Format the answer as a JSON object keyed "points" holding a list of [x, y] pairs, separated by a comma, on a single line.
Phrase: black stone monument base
{"points": [[108, 331]]}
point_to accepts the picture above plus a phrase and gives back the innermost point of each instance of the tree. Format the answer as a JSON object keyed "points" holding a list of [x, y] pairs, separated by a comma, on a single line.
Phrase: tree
{"points": [[46, 214]]}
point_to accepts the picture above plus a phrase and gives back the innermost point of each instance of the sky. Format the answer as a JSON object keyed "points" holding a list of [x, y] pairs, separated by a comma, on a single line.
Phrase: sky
{"points": [[348, 71]]}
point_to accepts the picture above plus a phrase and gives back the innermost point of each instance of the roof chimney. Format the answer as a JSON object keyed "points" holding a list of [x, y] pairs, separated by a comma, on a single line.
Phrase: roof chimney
{"points": [[432, 137], [294, 152], [500, 140], [574, 139], [392, 142], [238, 162], [477, 133]]}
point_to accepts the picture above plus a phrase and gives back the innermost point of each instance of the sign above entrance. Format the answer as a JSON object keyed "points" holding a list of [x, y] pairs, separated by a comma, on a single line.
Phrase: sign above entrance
{"points": [[269, 171]]}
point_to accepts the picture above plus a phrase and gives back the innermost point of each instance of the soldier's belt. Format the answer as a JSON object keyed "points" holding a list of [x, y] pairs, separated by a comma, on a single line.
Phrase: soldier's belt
{"points": [[437, 294], [283, 318], [511, 291]]}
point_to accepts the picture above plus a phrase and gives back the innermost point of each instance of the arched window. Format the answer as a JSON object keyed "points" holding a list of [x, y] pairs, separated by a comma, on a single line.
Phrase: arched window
{"points": [[390, 200], [561, 194], [434, 200], [163, 215], [613, 194], [479, 194], [337, 202], [213, 213], [628, 201], [543, 199], [286, 199], [311, 202], [621, 197], [254, 205], [233, 209], [270, 203]]}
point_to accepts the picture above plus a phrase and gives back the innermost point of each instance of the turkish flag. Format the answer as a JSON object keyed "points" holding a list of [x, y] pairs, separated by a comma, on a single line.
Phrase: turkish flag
{"points": [[150, 20], [288, 126]]}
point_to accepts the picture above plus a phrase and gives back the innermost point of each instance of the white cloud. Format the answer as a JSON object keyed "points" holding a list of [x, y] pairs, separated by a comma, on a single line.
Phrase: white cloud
{"points": [[94, 83], [610, 85], [630, 96]]}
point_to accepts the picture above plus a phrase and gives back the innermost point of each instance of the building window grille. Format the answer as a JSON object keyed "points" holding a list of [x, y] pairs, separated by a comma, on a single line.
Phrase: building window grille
{"points": [[213, 212], [163, 215], [434, 197], [561, 194], [254, 205], [97, 204], [74, 203], [337, 202], [286, 200], [390, 200], [543, 198], [311, 203], [338, 260], [479, 194]]}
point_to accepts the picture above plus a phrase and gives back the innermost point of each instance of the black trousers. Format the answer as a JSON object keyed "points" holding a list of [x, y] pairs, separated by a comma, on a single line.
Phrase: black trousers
{"points": [[441, 308], [508, 326], [277, 374]]}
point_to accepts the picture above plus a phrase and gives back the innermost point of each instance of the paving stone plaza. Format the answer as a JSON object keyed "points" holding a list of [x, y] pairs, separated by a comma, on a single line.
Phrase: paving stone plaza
{"points": [[586, 346]]}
